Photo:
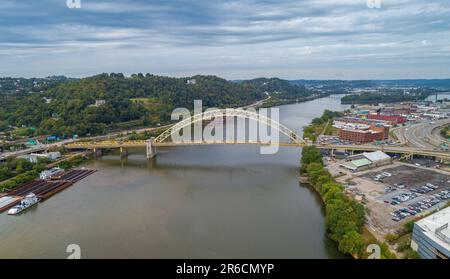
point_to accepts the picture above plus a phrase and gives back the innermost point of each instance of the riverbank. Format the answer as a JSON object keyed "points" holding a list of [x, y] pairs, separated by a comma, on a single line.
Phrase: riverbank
{"points": [[344, 217], [273, 101], [221, 201], [65, 163]]}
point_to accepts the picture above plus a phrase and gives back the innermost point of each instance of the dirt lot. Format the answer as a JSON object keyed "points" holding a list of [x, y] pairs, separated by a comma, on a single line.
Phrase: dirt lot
{"points": [[374, 195], [410, 176]]}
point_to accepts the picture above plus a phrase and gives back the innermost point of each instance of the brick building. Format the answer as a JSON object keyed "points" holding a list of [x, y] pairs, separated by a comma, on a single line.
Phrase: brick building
{"points": [[391, 119], [374, 133]]}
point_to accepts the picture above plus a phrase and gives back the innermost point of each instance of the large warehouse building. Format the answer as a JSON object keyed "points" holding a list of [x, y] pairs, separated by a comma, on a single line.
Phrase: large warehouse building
{"points": [[431, 236]]}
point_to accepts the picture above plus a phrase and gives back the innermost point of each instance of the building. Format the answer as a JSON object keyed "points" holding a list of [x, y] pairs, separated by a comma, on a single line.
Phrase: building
{"points": [[367, 160], [191, 81], [378, 158], [431, 236], [34, 157], [384, 130], [360, 120], [357, 165], [99, 103], [48, 174], [361, 136], [361, 130], [391, 119], [403, 109], [435, 115]]}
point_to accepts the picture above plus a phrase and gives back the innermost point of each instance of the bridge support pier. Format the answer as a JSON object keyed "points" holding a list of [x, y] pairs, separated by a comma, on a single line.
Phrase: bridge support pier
{"points": [[97, 152], [151, 149], [123, 153]]}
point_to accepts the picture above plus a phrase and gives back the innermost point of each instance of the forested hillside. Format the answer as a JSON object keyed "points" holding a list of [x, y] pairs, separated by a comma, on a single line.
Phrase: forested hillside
{"points": [[279, 88], [70, 107], [388, 96]]}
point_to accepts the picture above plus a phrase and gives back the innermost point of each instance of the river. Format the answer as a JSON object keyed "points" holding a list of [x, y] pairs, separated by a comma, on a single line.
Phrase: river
{"points": [[192, 202]]}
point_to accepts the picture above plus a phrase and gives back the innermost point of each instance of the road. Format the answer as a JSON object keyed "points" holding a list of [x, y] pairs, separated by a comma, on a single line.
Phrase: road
{"points": [[109, 136], [37, 148], [423, 135], [142, 143]]}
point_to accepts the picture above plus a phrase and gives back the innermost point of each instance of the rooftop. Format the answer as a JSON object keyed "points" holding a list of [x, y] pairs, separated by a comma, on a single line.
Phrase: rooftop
{"points": [[376, 156], [355, 164], [361, 162], [436, 228]]}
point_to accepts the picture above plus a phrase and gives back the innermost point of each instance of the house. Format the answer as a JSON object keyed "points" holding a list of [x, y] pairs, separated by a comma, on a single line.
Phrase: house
{"points": [[191, 81], [99, 103]]}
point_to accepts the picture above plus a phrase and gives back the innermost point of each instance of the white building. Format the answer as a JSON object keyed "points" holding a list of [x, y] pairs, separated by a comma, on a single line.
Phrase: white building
{"points": [[99, 103], [431, 236], [34, 157], [191, 81], [48, 174], [367, 160], [378, 158]]}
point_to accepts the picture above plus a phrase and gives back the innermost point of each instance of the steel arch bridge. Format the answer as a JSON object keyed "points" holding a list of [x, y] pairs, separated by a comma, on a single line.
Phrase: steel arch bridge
{"points": [[294, 139], [225, 113]]}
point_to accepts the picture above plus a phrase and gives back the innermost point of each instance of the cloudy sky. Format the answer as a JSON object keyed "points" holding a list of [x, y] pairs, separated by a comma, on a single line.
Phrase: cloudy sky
{"points": [[298, 39]]}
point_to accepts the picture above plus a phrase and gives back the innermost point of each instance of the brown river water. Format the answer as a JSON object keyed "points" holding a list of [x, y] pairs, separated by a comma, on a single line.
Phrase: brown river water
{"points": [[192, 202]]}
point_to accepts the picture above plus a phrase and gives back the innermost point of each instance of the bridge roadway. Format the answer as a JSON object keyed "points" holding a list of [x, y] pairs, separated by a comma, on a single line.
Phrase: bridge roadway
{"points": [[389, 149], [422, 135]]}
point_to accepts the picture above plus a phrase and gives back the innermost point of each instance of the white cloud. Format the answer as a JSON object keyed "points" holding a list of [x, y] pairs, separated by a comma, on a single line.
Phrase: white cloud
{"points": [[248, 38]]}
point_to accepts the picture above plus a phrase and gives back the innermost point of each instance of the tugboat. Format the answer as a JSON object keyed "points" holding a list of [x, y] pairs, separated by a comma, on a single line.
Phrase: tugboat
{"points": [[29, 200]]}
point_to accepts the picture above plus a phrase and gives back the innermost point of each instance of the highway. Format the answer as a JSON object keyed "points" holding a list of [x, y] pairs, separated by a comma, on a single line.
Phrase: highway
{"points": [[113, 135], [37, 148], [423, 135]]}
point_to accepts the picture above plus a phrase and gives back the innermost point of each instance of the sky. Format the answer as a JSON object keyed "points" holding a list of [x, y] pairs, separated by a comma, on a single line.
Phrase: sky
{"points": [[298, 39]]}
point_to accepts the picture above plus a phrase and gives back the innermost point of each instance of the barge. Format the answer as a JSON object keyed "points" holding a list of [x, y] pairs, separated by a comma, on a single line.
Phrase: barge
{"points": [[41, 189], [30, 200]]}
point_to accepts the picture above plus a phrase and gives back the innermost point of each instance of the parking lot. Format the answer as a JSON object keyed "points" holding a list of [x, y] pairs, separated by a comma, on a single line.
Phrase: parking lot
{"points": [[414, 189], [397, 193]]}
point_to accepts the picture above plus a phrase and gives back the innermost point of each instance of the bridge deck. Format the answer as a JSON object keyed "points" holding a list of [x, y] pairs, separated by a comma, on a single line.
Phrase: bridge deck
{"points": [[388, 149]]}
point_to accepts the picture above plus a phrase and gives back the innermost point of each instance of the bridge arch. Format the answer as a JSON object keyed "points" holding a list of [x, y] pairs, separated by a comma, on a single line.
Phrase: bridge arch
{"points": [[292, 135]]}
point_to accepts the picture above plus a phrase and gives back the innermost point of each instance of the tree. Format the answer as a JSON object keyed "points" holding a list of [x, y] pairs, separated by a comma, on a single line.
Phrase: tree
{"points": [[351, 243]]}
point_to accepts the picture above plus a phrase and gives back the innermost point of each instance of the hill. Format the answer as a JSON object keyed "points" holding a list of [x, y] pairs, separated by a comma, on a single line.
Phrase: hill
{"points": [[70, 107]]}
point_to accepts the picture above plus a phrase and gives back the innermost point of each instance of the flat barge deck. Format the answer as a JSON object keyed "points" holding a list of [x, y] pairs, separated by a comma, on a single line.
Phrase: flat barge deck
{"points": [[44, 189]]}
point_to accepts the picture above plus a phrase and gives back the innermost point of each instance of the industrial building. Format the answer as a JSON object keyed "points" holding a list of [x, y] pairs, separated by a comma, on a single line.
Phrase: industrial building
{"points": [[391, 119], [360, 130], [431, 236], [34, 157], [378, 158], [371, 134], [357, 165], [367, 160]]}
